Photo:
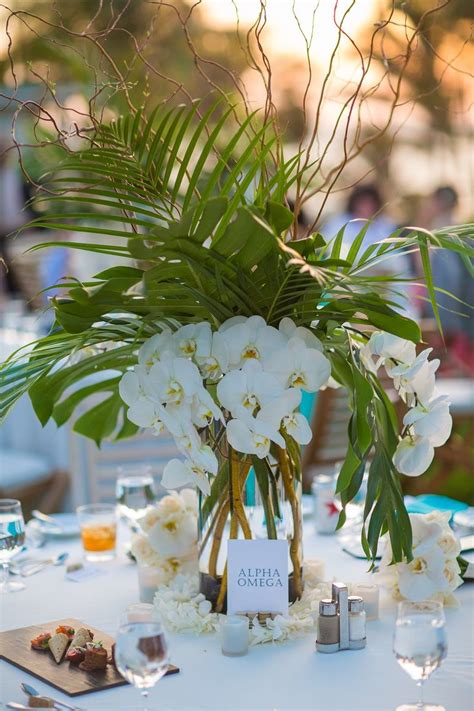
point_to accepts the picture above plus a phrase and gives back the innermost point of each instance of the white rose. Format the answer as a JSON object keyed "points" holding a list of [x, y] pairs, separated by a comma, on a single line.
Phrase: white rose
{"points": [[174, 536], [169, 505], [150, 519], [449, 544], [452, 574], [189, 498]]}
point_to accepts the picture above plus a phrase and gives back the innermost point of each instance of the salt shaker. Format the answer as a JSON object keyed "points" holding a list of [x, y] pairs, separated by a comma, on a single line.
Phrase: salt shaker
{"points": [[357, 619], [327, 640]]}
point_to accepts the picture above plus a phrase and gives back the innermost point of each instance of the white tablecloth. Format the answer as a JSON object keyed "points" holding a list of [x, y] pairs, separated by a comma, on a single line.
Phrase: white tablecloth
{"points": [[287, 675]]}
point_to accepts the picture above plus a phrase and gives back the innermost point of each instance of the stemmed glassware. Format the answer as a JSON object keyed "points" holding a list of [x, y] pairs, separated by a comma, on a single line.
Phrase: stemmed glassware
{"points": [[420, 644], [141, 649], [134, 493], [12, 538]]}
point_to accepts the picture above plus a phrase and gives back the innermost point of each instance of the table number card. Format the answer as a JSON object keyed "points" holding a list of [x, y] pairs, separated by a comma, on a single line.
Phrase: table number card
{"points": [[257, 576]]}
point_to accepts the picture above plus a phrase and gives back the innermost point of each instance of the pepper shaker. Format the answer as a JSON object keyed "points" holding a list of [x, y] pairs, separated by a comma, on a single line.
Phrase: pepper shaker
{"points": [[357, 626], [327, 639]]}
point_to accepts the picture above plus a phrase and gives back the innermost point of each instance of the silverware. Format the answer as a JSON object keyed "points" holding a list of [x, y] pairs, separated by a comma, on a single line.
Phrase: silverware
{"points": [[33, 568], [40, 516], [31, 691]]}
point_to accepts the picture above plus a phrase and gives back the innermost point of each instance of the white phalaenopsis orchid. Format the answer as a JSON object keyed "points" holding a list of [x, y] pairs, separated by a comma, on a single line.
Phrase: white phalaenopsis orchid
{"points": [[428, 423], [155, 348], [432, 421], [178, 473], [389, 347], [281, 412], [290, 330], [244, 392], [193, 339], [204, 410], [413, 455], [173, 380], [213, 357], [297, 366], [253, 437], [251, 340]]}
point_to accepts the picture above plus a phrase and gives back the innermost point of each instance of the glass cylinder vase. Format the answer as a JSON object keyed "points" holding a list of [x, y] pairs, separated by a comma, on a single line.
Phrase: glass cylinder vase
{"points": [[251, 498]]}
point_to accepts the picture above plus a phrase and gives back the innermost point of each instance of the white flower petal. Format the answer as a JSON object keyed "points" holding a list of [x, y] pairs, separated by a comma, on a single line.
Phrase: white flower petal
{"points": [[413, 455]]}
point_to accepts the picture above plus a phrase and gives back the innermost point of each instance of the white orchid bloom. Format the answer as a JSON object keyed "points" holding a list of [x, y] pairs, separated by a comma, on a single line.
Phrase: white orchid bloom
{"points": [[280, 412], [232, 321], [432, 422], [132, 385], [417, 379], [390, 347], [413, 455], [299, 367], [367, 360], [193, 338], [253, 439], [424, 576], [155, 348], [146, 413], [204, 410], [173, 380], [188, 441], [212, 357], [251, 340], [178, 473], [289, 330], [243, 392], [421, 387]]}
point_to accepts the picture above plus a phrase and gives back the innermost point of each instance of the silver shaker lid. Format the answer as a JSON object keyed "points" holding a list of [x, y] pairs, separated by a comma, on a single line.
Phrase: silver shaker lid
{"points": [[327, 607], [356, 603]]}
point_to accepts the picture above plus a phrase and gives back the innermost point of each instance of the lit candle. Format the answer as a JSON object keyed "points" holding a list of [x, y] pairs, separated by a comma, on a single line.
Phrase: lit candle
{"points": [[235, 636], [149, 579], [369, 592]]}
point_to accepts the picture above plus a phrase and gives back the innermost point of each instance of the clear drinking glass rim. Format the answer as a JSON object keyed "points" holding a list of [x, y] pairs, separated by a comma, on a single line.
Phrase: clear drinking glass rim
{"points": [[408, 608], [9, 503], [96, 509]]}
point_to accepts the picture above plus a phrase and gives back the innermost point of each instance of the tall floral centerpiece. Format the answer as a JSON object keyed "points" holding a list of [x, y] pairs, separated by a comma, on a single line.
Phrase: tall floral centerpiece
{"points": [[230, 399], [211, 322]]}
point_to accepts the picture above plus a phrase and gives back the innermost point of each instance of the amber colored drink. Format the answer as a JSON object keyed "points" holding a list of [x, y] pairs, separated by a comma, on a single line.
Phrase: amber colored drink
{"points": [[98, 531], [98, 538]]}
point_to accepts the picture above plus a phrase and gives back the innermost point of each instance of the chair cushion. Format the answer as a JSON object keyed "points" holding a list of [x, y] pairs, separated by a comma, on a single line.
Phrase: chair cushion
{"points": [[19, 468]]}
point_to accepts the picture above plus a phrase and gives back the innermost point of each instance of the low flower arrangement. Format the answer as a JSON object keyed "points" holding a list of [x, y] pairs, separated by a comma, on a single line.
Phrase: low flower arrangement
{"points": [[168, 540], [434, 572]]}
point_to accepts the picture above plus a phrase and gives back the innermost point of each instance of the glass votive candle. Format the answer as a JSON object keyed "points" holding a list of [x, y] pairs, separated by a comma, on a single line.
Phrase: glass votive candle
{"points": [[139, 612], [98, 523], [149, 579], [235, 635], [370, 593]]}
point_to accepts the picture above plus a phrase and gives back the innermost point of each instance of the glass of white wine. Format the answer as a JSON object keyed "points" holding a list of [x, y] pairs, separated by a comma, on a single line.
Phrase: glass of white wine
{"points": [[420, 645], [134, 493], [12, 538], [141, 651]]}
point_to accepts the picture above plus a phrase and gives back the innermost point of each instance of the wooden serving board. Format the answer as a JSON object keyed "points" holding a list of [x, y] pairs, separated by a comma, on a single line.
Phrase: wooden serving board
{"points": [[15, 648]]}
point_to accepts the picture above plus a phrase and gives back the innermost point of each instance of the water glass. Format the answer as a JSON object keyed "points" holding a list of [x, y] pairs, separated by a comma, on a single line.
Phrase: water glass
{"points": [[98, 523], [134, 493], [141, 653], [12, 538], [420, 644]]}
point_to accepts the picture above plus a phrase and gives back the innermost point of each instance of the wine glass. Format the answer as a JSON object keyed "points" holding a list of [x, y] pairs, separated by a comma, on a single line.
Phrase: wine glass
{"points": [[12, 538], [141, 651], [420, 644], [134, 493]]}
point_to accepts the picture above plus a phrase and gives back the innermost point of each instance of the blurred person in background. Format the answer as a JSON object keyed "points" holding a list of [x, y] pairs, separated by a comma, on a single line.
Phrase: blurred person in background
{"points": [[450, 274], [365, 205], [14, 194]]}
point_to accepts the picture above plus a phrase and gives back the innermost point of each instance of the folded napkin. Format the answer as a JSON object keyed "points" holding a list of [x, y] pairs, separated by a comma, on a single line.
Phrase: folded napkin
{"points": [[425, 503]]}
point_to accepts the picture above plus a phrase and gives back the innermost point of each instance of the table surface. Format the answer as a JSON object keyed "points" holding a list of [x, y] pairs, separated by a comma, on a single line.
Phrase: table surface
{"points": [[287, 675]]}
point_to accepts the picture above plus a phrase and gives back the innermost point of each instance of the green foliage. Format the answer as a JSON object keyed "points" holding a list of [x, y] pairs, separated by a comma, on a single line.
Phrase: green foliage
{"points": [[202, 231]]}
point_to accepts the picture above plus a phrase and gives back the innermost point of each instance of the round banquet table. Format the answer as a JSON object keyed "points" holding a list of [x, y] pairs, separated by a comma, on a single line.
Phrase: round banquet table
{"points": [[288, 675]]}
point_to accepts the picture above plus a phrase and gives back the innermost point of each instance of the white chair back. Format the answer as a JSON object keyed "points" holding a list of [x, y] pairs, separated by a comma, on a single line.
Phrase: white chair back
{"points": [[94, 470]]}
